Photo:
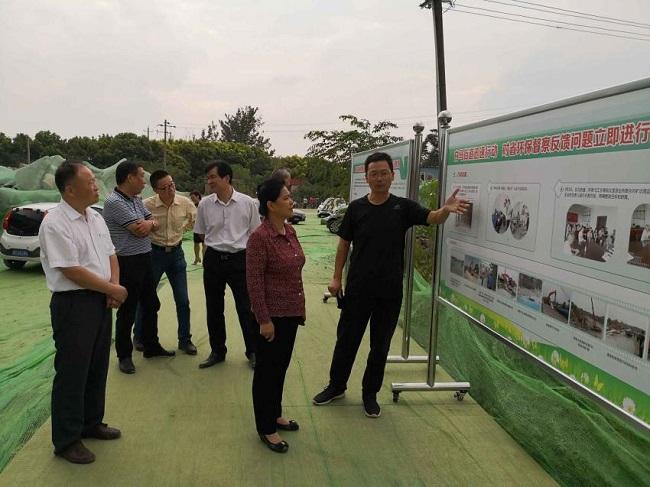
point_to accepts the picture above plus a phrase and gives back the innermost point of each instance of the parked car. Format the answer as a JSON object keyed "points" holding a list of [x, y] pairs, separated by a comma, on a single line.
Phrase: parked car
{"points": [[326, 208], [333, 222], [297, 217], [19, 241]]}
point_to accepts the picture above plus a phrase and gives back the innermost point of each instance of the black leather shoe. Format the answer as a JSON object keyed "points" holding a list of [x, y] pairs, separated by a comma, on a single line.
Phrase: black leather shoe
{"points": [[212, 359], [292, 426], [77, 453], [158, 351], [188, 347], [126, 366], [281, 447], [137, 344], [102, 432]]}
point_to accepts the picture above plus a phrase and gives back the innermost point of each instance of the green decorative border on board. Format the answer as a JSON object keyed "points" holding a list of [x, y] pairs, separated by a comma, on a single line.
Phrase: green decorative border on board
{"points": [[612, 136], [630, 399]]}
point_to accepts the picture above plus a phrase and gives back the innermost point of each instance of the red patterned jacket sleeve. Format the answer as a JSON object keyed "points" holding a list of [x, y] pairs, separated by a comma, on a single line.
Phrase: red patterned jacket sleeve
{"points": [[256, 260]]}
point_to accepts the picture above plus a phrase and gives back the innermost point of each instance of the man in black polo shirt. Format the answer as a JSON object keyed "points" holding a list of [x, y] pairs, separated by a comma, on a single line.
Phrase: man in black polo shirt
{"points": [[130, 224], [376, 225]]}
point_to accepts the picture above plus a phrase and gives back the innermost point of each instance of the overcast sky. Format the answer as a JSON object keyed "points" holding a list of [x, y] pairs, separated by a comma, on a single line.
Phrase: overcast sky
{"points": [[87, 67]]}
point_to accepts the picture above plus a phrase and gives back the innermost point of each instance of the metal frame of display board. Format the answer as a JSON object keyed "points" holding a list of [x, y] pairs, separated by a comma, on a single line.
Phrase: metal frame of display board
{"points": [[460, 388], [409, 244], [463, 387]]}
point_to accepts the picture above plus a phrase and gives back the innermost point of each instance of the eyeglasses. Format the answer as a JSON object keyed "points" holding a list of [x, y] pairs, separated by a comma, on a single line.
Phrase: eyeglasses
{"points": [[170, 186]]}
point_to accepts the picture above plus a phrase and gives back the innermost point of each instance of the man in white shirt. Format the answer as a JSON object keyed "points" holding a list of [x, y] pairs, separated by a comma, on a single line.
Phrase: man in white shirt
{"points": [[225, 220], [82, 272]]}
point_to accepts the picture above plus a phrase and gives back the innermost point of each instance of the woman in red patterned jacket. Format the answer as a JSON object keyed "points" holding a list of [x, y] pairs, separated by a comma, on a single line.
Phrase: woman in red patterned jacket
{"points": [[274, 261]]}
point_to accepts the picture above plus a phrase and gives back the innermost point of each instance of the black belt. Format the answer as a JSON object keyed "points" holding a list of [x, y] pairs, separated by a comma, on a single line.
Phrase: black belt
{"points": [[78, 292], [228, 255], [169, 249]]}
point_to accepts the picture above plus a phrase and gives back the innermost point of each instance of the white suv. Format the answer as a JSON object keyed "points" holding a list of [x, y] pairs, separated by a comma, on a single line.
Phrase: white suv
{"points": [[19, 241]]}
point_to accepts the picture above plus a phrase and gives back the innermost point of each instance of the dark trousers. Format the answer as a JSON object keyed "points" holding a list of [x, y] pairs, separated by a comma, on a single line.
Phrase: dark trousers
{"points": [[268, 379], [219, 269], [136, 275], [383, 314], [174, 266], [81, 325]]}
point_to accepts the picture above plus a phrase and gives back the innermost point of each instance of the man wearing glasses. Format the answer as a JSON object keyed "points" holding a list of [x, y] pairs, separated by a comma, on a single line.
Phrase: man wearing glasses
{"points": [[175, 214]]}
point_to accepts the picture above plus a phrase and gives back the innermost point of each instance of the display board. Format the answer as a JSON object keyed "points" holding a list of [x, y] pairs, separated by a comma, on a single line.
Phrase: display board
{"points": [[554, 253], [401, 155]]}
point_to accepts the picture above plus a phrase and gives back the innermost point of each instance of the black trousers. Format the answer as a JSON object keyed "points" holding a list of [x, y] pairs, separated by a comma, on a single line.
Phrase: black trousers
{"points": [[81, 325], [268, 379], [136, 275], [219, 269], [383, 314]]}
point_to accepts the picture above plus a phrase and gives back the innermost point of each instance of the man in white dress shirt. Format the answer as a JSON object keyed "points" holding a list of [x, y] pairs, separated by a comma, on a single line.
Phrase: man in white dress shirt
{"points": [[225, 220], [82, 272]]}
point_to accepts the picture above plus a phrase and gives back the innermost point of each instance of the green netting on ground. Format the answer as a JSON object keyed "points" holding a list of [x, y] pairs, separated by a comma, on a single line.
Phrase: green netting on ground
{"points": [[26, 357], [572, 437]]}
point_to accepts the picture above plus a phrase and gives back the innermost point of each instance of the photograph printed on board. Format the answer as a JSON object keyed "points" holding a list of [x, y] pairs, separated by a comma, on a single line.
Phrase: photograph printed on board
{"points": [[472, 268], [626, 330], [589, 232], [457, 262], [639, 246], [488, 275], [464, 221], [507, 282], [520, 220], [587, 314], [530, 292], [555, 301], [501, 213]]}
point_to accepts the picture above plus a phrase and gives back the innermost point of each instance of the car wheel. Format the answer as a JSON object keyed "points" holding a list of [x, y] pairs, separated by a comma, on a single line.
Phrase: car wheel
{"points": [[334, 225], [15, 264]]}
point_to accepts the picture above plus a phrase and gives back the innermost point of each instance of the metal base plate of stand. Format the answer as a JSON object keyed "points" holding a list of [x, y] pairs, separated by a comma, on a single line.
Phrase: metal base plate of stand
{"points": [[411, 359], [460, 388]]}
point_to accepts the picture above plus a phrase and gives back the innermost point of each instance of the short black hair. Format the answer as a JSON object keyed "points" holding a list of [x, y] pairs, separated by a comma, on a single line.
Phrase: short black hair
{"points": [[196, 193], [223, 169], [157, 176], [66, 172], [124, 169], [281, 174], [269, 190], [378, 157]]}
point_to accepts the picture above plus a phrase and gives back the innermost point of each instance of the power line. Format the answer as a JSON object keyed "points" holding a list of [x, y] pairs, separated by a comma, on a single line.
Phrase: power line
{"points": [[582, 13], [551, 26], [554, 21], [580, 16]]}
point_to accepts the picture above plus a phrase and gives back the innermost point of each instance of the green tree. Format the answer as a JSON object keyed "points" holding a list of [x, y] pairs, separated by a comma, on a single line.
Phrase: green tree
{"points": [[339, 145], [6, 151], [211, 133], [244, 127], [47, 143], [430, 149]]}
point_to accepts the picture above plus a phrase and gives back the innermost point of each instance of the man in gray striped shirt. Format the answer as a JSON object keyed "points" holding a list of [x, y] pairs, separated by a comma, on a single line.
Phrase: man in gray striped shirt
{"points": [[130, 224]]}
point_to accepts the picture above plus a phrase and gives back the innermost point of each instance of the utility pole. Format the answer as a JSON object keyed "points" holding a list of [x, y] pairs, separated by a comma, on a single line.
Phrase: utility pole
{"points": [[29, 156], [147, 132], [165, 124], [441, 83]]}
